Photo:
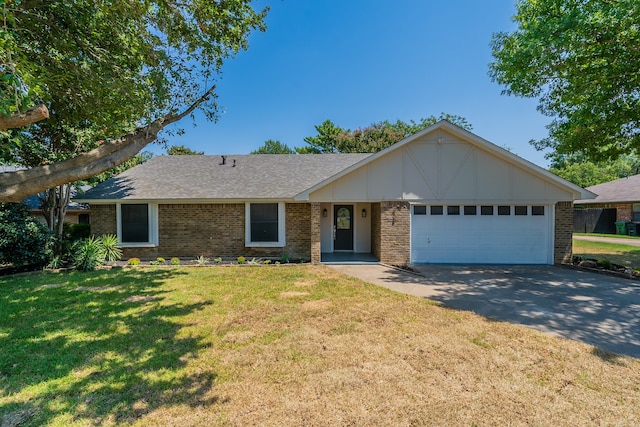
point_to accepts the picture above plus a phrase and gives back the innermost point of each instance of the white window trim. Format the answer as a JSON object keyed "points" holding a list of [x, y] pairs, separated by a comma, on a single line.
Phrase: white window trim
{"points": [[281, 228], [153, 227]]}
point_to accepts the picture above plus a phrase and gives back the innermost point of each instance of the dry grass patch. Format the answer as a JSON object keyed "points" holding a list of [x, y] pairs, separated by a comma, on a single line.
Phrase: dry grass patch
{"points": [[224, 347]]}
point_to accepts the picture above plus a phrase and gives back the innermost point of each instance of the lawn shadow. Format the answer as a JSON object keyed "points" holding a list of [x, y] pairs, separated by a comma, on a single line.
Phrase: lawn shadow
{"points": [[104, 346]]}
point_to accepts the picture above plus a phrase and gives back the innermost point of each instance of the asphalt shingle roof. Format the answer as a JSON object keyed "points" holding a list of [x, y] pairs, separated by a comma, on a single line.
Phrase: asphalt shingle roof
{"points": [[254, 176], [620, 190]]}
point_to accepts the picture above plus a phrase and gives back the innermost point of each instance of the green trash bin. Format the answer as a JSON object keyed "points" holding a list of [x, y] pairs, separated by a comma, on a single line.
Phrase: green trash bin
{"points": [[621, 227]]}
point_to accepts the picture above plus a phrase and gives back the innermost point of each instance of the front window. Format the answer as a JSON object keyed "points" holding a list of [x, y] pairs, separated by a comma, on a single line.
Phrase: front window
{"points": [[137, 224], [265, 224]]}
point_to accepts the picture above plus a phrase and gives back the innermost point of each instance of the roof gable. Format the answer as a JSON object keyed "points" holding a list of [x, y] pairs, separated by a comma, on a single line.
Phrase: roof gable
{"points": [[445, 162]]}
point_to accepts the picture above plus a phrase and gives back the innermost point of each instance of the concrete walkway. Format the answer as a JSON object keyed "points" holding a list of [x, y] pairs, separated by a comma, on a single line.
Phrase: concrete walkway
{"points": [[617, 240], [596, 309]]}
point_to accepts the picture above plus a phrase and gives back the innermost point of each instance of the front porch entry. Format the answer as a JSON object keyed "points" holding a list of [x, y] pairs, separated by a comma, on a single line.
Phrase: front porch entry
{"points": [[345, 233]]}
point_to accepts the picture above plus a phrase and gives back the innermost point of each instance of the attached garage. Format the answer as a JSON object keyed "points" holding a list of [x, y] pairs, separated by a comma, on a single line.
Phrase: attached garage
{"points": [[445, 195], [482, 234]]}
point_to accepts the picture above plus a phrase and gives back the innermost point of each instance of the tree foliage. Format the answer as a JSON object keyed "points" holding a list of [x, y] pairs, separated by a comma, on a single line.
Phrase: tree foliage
{"points": [[23, 239], [181, 150], [581, 59], [331, 138], [325, 141], [585, 173], [274, 147], [123, 69]]}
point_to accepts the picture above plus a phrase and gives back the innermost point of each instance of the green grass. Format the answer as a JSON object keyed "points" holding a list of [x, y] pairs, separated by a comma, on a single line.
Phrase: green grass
{"points": [[107, 346], [288, 345], [617, 253], [615, 236]]}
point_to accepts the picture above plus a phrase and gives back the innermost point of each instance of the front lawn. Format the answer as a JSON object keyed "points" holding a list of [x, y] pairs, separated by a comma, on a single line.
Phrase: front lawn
{"points": [[287, 345]]}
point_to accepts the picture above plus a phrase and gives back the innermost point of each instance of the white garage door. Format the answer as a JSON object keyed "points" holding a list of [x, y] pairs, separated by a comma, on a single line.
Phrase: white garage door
{"points": [[481, 234]]}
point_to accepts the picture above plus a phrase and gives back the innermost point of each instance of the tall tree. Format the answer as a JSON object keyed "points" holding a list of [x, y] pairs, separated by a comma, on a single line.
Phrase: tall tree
{"points": [[181, 150], [127, 69], [274, 147], [373, 138], [581, 59], [325, 141]]}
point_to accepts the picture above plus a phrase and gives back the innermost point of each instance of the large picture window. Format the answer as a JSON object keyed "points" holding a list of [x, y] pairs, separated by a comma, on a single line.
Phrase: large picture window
{"points": [[137, 224], [265, 224]]}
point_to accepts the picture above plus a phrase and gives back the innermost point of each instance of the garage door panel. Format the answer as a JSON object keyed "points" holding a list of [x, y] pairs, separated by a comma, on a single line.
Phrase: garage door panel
{"points": [[481, 239]]}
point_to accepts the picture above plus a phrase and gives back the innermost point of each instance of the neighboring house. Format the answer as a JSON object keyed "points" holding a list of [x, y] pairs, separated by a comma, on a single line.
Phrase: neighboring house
{"points": [[620, 197], [443, 195], [76, 212]]}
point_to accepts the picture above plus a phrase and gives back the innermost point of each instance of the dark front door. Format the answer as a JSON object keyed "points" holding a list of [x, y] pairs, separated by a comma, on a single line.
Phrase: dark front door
{"points": [[343, 228]]}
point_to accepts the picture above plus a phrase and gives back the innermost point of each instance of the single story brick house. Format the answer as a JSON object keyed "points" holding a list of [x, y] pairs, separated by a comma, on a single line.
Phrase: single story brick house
{"points": [[622, 194], [443, 195]]}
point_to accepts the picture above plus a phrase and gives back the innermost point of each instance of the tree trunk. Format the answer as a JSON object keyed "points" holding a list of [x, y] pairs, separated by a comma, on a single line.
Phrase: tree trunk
{"points": [[20, 120], [64, 198], [15, 186]]}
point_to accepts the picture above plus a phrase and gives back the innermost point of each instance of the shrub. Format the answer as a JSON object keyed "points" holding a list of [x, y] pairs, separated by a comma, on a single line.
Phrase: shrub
{"points": [[175, 261], [201, 260], [284, 258], [88, 253], [133, 261], [76, 231], [161, 260], [154, 262], [23, 239], [217, 260], [267, 261], [605, 263], [241, 260], [112, 251]]}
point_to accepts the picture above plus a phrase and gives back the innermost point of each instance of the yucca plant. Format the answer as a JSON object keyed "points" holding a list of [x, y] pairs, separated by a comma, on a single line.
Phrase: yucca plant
{"points": [[88, 253], [112, 251]]}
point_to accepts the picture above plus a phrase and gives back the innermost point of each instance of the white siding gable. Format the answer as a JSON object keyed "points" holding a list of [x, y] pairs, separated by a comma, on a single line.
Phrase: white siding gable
{"points": [[445, 167]]}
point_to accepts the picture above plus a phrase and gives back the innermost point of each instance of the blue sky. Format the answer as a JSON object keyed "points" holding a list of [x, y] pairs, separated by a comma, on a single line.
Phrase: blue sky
{"points": [[357, 62]]}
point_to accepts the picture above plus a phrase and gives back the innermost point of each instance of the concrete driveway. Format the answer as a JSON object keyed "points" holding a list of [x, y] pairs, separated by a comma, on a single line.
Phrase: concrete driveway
{"points": [[592, 308]]}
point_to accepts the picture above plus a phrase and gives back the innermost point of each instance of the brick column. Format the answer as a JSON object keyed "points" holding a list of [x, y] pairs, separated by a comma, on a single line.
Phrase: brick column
{"points": [[395, 233], [315, 233], [375, 230], [563, 233]]}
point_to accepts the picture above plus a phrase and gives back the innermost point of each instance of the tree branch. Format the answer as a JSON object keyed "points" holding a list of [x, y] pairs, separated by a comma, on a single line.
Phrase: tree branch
{"points": [[20, 120], [15, 186]]}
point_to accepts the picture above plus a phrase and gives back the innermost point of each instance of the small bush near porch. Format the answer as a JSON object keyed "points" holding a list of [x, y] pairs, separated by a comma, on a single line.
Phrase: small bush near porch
{"points": [[295, 345]]}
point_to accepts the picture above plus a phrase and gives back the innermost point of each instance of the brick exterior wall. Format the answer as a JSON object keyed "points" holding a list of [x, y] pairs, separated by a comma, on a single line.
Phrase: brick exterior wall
{"points": [[375, 230], [314, 233], [211, 230], [395, 233], [103, 219], [624, 211], [563, 229]]}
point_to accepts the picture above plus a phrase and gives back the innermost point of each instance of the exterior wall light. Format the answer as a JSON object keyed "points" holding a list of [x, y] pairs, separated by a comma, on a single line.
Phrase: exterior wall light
{"points": [[364, 213], [324, 212]]}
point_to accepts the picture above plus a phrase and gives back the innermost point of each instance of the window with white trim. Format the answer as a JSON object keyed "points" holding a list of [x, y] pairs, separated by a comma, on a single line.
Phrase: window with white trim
{"points": [[264, 224], [137, 224]]}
